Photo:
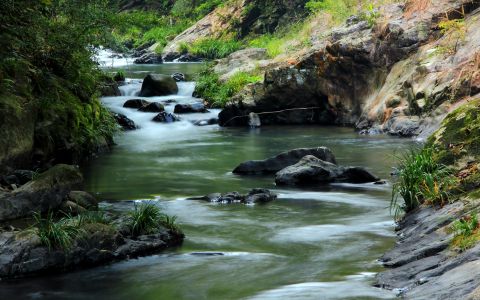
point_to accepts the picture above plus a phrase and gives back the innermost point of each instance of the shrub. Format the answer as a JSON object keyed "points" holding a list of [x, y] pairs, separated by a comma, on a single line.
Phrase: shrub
{"points": [[147, 218], [60, 234], [420, 179], [466, 232]]}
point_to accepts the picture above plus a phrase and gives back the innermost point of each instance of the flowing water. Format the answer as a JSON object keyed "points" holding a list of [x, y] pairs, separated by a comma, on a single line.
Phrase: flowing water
{"points": [[315, 243]]}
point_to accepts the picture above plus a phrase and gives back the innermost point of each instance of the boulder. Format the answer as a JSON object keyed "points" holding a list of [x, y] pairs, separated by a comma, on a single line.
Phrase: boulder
{"points": [[190, 108], [42, 194], [274, 164], [71, 208], [152, 107], [149, 58], [136, 103], [311, 170], [124, 122], [110, 90], [165, 117], [83, 199], [158, 85], [178, 77], [257, 195]]}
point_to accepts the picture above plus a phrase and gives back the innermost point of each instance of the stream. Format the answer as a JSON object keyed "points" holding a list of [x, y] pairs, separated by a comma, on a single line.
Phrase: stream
{"points": [[314, 243]]}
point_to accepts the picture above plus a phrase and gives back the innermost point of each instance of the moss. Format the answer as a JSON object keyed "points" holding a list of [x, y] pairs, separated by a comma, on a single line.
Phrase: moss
{"points": [[459, 134]]}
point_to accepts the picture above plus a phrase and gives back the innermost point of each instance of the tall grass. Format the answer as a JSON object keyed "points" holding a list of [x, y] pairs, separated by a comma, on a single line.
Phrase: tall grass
{"points": [[147, 218], [211, 48], [59, 235], [420, 179], [466, 233]]}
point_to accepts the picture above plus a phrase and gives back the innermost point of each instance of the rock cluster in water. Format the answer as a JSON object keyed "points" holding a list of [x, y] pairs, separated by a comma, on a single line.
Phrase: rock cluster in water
{"points": [[257, 195]]}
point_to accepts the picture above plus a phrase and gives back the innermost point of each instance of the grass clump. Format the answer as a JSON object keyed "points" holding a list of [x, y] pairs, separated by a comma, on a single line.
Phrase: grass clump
{"points": [[218, 93], [420, 179], [466, 232], [55, 235], [211, 48], [147, 218]]}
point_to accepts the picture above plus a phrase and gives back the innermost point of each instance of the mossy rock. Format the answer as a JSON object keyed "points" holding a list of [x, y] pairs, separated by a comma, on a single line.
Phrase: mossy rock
{"points": [[459, 135]]}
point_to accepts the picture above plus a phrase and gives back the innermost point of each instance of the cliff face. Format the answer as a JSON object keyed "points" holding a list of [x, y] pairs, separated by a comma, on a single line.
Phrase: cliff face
{"points": [[238, 18], [398, 76]]}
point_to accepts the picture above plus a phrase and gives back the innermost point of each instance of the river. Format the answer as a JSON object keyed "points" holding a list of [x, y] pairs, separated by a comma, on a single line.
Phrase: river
{"points": [[315, 243]]}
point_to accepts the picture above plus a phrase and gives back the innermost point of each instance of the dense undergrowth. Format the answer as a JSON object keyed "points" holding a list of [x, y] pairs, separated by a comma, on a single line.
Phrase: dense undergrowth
{"points": [[48, 81]]}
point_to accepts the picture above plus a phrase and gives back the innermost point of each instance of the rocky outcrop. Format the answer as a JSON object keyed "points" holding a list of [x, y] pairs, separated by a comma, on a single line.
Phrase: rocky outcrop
{"points": [[22, 254], [149, 58], [44, 193], [158, 85], [394, 77], [274, 164], [311, 170], [240, 17], [254, 196], [246, 60]]}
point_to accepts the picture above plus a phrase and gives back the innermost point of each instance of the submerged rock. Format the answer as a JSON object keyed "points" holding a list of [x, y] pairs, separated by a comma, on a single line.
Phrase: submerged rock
{"points": [[165, 117], [274, 164], [190, 108], [83, 199], [158, 85], [124, 122], [47, 192], [135, 103], [211, 121], [178, 77], [257, 195], [311, 170], [152, 107]]}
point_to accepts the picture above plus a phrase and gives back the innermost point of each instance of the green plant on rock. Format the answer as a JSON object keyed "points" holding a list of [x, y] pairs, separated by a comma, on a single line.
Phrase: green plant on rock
{"points": [[147, 218], [455, 32], [211, 48], [420, 179], [371, 15], [55, 235], [465, 232]]}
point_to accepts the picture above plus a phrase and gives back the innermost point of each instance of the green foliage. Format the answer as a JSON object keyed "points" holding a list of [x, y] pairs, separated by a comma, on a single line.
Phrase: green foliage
{"points": [[420, 179], [371, 15], [219, 93], [92, 217], [340, 10], [55, 235], [455, 32], [211, 48], [465, 232], [147, 218], [271, 42]]}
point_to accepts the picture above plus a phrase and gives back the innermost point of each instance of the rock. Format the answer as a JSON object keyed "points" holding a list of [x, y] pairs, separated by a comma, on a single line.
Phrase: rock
{"points": [[310, 171], [149, 58], [274, 164], [245, 60], [136, 103], [211, 121], [152, 107], [119, 77], [190, 108], [124, 122], [24, 176], [110, 90], [178, 77], [158, 85], [165, 117], [254, 120], [42, 194], [83, 199], [71, 208], [257, 195]]}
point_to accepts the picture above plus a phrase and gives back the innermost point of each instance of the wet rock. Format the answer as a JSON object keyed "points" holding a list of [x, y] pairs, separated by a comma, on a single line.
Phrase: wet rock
{"points": [[274, 164], [310, 171], [110, 89], [136, 103], [124, 122], [158, 85], [178, 77], [257, 195], [149, 58], [42, 194], [211, 121], [152, 107], [24, 176], [190, 108], [165, 117], [71, 208], [83, 199]]}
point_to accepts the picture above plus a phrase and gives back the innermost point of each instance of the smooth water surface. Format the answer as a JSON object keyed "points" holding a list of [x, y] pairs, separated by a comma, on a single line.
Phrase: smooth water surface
{"points": [[315, 243]]}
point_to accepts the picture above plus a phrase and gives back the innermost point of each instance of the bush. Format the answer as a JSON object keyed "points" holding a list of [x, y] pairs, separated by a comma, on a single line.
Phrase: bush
{"points": [[147, 218], [211, 48], [420, 179], [218, 93], [59, 235]]}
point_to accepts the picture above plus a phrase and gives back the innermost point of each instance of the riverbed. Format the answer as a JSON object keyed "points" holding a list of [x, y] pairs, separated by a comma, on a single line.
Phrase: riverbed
{"points": [[310, 243]]}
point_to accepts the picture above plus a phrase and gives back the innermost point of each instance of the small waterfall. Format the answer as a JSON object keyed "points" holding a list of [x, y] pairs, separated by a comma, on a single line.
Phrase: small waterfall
{"points": [[132, 87], [186, 88]]}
